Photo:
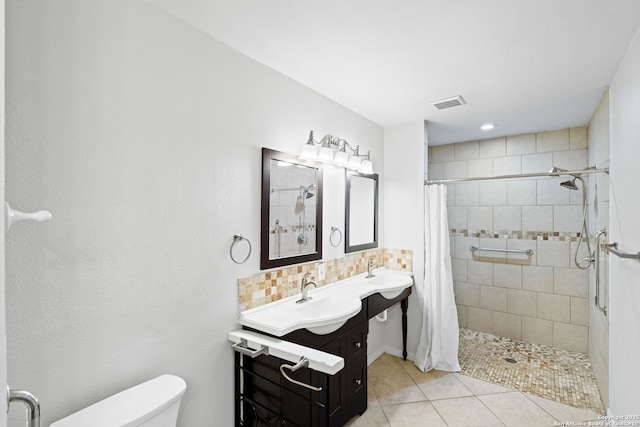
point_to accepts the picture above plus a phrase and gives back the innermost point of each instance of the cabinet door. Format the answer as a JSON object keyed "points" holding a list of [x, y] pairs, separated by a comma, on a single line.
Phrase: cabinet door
{"points": [[337, 398]]}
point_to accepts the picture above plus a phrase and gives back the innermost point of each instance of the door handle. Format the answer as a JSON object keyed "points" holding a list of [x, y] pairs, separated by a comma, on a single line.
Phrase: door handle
{"points": [[33, 406]]}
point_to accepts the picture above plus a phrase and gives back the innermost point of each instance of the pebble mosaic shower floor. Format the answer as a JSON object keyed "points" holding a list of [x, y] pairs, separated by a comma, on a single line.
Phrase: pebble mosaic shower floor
{"points": [[551, 373]]}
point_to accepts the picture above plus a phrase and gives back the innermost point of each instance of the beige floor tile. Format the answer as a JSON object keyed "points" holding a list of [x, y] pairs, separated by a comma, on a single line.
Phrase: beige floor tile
{"points": [[563, 412], [440, 385], [413, 414], [409, 366], [515, 410], [372, 400], [390, 390], [386, 365], [465, 412], [479, 387], [373, 417]]}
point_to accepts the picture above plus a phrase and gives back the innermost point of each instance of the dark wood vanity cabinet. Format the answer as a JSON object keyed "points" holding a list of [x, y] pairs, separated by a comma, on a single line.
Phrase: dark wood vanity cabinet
{"points": [[265, 398]]}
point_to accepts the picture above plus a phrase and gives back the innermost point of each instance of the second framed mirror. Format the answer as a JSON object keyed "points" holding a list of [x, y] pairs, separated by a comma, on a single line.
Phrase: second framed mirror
{"points": [[361, 212]]}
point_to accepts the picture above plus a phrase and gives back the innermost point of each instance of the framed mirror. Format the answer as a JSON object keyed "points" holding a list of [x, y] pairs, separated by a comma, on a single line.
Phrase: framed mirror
{"points": [[291, 219], [361, 212]]}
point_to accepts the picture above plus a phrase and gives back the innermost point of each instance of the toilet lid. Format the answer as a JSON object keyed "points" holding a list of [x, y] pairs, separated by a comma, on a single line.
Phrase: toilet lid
{"points": [[130, 407]]}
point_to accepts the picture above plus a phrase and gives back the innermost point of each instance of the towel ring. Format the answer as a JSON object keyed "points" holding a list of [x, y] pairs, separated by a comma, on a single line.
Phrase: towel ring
{"points": [[333, 231], [238, 238]]}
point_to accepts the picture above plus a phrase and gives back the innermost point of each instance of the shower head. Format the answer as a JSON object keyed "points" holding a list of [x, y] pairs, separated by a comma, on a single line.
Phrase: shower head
{"points": [[571, 184], [306, 193]]}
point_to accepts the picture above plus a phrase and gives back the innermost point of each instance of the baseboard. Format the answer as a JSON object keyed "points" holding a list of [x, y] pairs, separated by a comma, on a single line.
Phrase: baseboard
{"points": [[389, 350]]}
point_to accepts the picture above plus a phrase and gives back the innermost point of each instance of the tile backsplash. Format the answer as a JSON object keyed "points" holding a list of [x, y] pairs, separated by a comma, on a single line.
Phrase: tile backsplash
{"points": [[273, 285]]}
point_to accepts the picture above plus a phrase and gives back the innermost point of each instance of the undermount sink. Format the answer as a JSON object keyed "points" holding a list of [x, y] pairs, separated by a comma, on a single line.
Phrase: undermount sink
{"points": [[330, 307]]}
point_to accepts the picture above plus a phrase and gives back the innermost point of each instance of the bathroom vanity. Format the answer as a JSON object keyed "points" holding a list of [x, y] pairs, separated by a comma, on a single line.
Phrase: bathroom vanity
{"points": [[336, 326]]}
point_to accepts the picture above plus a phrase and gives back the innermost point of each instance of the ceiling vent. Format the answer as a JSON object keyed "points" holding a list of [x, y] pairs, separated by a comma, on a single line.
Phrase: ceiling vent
{"points": [[454, 101]]}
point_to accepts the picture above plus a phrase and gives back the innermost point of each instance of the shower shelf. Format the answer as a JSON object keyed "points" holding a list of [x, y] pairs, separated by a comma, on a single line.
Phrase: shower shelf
{"points": [[511, 251], [613, 248]]}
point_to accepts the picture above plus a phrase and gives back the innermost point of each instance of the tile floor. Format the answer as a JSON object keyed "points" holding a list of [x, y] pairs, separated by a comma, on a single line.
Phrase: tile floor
{"points": [[402, 395], [552, 373]]}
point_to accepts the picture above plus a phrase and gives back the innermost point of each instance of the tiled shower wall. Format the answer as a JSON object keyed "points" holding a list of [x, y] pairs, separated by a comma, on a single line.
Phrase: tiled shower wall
{"points": [[540, 298]]}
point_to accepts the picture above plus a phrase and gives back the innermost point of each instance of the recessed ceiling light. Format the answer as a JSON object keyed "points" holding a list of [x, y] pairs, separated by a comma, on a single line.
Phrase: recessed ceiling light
{"points": [[487, 126]]}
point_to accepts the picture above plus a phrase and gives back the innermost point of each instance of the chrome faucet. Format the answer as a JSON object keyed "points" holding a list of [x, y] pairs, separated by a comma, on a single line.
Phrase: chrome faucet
{"points": [[305, 287], [370, 264]]}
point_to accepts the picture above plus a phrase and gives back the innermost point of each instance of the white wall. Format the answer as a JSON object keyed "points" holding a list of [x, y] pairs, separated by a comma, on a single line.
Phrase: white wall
{"points": [[624, 293], [3, 335], [142, 136], [404, 228]]}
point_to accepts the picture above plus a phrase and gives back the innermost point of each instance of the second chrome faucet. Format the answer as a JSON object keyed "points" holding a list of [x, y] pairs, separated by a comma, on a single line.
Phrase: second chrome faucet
{"points": [[304, 287], [370, 266]]}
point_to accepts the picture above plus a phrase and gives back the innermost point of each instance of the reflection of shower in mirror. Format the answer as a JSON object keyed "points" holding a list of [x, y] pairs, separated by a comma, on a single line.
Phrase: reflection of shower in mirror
{"points": [[305, 192]]}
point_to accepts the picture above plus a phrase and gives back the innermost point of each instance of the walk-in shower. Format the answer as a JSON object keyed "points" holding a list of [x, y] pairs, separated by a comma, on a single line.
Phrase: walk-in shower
{"points": [[585, 262]]}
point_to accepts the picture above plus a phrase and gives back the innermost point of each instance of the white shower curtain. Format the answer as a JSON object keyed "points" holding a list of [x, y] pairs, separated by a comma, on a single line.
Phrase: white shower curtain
{"points": [[438, 348]]}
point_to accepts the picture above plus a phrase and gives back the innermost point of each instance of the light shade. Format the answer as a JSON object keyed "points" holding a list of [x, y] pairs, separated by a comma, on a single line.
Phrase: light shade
{"points": [[366, 166], [309, 152], [354, 162], [325, 154], [341, 158]]}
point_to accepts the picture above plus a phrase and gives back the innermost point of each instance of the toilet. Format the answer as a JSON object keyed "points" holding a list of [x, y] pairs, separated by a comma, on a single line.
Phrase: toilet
{"points": [[154, 403]]}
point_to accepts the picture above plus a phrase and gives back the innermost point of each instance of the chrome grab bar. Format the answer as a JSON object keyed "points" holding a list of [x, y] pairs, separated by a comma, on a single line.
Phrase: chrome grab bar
{"points": [[512, 251], [597, 265], [33, 406], [613, 248]]}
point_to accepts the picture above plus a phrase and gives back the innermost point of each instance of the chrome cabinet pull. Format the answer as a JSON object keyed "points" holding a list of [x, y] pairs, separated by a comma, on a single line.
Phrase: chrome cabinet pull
{"points": [[357, 381], [357, 344]]}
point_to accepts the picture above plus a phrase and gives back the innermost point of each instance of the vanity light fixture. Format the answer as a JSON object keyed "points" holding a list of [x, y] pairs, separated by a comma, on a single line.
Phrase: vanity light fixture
{"points": [[338, 152]]}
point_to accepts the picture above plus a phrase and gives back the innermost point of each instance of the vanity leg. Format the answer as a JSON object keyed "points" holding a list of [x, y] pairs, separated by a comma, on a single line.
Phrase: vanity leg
{"points": [[404, 304]]}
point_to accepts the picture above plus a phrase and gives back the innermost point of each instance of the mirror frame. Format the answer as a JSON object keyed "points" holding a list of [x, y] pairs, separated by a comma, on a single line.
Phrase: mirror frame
{"points": [[265, 261], [347, 212]]}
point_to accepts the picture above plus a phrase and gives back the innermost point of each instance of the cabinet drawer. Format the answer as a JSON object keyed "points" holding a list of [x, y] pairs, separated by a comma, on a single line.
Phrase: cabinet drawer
{"points": [[357, 340], [357, 376]]}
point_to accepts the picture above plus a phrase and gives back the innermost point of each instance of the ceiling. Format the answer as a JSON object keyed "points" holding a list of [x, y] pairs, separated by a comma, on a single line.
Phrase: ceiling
{"points": [[521, 64]]}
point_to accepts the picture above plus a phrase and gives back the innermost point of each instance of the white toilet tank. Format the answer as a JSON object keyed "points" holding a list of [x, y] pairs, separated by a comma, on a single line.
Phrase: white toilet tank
{"points": [[154, 403]]}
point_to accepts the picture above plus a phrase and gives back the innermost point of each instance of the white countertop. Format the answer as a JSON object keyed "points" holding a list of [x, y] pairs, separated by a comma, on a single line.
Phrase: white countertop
{"points": [[330, 307]]}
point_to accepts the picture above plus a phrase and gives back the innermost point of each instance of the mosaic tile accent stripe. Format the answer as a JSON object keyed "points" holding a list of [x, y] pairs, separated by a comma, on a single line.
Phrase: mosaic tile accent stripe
{"points": [[555, 374], [517, 234], [273, 285]]}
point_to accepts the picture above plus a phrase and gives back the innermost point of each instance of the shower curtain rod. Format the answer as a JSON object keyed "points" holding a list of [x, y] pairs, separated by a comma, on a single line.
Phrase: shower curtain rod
{"points": [[521, 175]]}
